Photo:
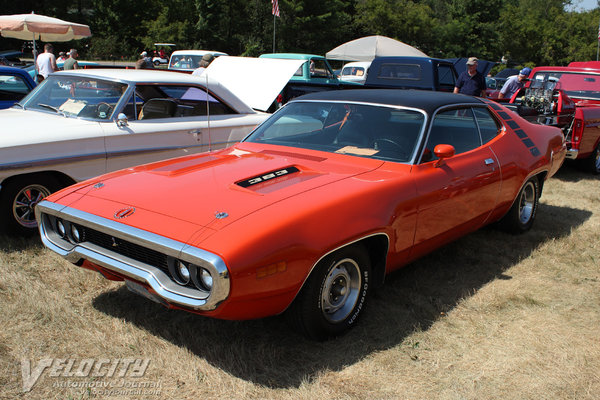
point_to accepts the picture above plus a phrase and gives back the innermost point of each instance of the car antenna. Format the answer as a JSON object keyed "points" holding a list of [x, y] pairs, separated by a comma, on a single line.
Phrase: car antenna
{"points": [[208, 115]]}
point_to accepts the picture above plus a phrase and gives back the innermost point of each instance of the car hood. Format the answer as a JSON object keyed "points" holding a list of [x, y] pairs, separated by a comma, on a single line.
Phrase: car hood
{"points": [[212, 190], [256, 81], [27, 127]]}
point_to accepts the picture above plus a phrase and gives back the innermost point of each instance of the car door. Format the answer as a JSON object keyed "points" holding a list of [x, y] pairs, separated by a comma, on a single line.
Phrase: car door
{"points": [[456, 194], [170, 121]]}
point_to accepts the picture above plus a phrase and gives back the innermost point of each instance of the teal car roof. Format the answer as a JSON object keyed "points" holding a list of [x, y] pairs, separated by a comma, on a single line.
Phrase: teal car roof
{"points": [[294, 56]]}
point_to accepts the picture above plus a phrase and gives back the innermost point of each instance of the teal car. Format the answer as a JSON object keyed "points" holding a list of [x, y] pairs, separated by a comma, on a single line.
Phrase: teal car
{"points": [[315, 75]]}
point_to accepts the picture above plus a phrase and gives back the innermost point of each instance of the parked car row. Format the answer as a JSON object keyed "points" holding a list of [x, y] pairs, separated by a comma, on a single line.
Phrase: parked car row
{"points": [[304, 211]]}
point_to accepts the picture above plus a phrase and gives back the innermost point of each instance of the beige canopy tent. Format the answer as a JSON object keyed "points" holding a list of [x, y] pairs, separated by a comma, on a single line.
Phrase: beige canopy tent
{"points": [[40, 27], [369, 47]]}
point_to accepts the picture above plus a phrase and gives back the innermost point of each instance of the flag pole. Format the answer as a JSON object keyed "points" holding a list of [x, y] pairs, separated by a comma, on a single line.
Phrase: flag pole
{"points": [[275, 17], [598, 42]]}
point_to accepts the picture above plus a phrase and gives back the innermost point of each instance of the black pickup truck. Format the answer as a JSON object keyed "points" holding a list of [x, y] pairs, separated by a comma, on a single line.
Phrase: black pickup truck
{"points": [[412, 73]]}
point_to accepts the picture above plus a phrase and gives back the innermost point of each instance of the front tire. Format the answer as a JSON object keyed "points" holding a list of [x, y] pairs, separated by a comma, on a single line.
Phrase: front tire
{"points": [[521, 215], [18, 199], [334, 295]]}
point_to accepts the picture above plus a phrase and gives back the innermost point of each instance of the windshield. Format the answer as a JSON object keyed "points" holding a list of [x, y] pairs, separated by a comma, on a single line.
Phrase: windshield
{"points": [[575, 85], [83, 97], [370, 131]]}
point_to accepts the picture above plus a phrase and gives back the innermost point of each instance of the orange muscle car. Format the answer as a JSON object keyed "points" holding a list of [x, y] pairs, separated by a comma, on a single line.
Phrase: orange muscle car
{"points": [[309, 212]]}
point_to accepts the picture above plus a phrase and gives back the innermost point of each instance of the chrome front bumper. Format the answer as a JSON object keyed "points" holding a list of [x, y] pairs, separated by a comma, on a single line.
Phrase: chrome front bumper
{"points": [[112, 259]]}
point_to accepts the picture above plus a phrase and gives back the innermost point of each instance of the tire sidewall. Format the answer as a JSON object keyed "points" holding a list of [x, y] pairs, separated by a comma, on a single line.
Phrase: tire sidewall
{"points": [[527, 225], [8, 195], [317, 325]]}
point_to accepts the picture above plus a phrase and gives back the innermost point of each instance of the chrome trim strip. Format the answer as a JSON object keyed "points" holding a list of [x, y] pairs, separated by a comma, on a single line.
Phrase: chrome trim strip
{"points": [[51, 161], [153, 276], [124, 153]]}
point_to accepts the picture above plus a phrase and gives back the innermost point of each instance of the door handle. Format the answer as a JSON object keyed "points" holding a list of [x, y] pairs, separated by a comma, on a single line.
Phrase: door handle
{"points": [[489, 161], [196, 132]]}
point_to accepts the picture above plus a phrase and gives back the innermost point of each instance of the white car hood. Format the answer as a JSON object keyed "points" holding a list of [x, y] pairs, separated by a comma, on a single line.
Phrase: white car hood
{"points": [[256, 81], [26, 127]]}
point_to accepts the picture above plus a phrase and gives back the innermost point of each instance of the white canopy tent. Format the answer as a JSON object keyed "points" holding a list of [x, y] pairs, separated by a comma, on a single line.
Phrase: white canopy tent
{"points": [[369, 47]]}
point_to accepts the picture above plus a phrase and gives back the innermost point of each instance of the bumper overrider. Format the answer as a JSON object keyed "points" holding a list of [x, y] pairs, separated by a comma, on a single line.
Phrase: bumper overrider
{"points": [[179, 275]]}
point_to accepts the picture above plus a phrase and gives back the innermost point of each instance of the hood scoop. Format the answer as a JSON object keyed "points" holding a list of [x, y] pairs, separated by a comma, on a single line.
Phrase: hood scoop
{"points": [[274, 180]]}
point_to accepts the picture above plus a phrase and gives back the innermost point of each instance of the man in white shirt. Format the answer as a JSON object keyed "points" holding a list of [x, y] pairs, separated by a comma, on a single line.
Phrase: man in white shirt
{"points": [[46, 62]]}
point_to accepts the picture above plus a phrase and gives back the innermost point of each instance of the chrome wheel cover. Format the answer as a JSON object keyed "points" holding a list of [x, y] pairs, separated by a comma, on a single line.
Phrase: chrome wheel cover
{"points": [[341, 290], [527, 202], [597, 159], [24, 204]]}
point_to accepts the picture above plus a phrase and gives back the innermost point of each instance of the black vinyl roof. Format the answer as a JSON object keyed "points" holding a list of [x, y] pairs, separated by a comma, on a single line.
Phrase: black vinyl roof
{"points": [[422, 99]]}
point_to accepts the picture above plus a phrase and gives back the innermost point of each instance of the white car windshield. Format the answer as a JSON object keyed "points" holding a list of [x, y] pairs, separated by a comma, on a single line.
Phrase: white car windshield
{"points": [[385, 133], [82, 97]]}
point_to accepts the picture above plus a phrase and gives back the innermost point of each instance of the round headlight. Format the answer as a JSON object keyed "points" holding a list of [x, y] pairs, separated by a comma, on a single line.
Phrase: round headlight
{"points": [[206, 279], [60, 227], [184, 273], [75, 233]]}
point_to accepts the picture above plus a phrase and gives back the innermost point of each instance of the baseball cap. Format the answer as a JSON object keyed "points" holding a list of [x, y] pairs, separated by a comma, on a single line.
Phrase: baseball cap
{"points": [[143, 54], [472, 61], [525, 71]]}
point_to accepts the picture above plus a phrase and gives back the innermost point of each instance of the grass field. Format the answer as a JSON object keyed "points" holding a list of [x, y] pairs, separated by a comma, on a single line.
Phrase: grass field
{"points": [[491, 316]]}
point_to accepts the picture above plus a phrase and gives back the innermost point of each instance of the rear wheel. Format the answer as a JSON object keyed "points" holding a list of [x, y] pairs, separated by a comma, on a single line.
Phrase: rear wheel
{"points": [[18, 199], [594, 160], [522, 213], [334, 295]]}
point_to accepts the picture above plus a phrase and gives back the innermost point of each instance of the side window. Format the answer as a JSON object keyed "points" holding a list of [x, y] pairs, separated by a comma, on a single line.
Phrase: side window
{"points": [[12, 88], [319, 69], [455, 127], [446, 75], [488, 126], [177, 101]]}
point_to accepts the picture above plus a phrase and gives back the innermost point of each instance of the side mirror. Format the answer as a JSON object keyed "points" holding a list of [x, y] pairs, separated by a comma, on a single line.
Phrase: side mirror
{"points": [[122, 120], [443, 151]]}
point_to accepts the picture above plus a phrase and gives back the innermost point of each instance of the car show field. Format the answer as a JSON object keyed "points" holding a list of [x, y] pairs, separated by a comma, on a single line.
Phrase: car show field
{"points": [[490, 316]]}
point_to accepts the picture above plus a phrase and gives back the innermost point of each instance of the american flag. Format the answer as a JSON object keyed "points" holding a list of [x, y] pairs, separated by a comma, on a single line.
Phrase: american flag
{"points": [[598, 29], [276, 10]]}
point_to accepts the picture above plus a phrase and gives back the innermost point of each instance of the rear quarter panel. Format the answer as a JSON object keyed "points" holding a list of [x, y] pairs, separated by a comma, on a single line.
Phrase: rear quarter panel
{"points": [[591, 129]]}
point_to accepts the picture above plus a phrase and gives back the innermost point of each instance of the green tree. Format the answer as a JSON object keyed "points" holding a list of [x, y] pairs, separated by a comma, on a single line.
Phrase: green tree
{"points": [[409, 21]]}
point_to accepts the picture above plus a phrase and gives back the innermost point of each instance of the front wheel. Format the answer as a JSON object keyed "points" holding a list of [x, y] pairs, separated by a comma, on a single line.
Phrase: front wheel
{"points": [[18, 199], [521, 215], [334, 295]]}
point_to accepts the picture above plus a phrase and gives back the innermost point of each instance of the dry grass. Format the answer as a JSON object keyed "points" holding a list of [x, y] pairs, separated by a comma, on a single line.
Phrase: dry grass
{"points": [[491, 316]]}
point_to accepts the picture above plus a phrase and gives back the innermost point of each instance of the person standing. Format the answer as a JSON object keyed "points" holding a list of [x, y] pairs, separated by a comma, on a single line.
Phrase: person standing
{"points": [[514, 84], [471, 81], [46, 62], [205, 62], [71, 62]]}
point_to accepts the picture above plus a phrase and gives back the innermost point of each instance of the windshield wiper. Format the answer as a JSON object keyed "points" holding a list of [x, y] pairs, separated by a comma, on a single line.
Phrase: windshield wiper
{"points": [[48, 106], [20, 105]]}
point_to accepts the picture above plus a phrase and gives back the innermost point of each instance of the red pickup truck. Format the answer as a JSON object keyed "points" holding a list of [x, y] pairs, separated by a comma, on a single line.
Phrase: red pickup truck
{"points": [[567, 97]]}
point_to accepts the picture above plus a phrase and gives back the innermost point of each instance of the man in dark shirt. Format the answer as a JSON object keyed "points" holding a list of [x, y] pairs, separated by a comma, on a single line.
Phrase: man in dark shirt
{"points": [[471, 82]]}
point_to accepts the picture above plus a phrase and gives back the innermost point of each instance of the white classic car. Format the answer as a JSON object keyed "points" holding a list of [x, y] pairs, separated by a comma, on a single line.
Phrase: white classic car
{"points": [[83, 123]]}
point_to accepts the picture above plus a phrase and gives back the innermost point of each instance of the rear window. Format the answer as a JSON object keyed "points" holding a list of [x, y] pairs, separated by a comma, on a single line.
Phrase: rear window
{"points": [[399, 71]]}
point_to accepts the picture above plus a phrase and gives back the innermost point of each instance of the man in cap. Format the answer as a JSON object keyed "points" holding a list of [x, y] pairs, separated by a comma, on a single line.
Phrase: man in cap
{"points": [[514, 84], [471, 81], [205, 62], [71, 62]]}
